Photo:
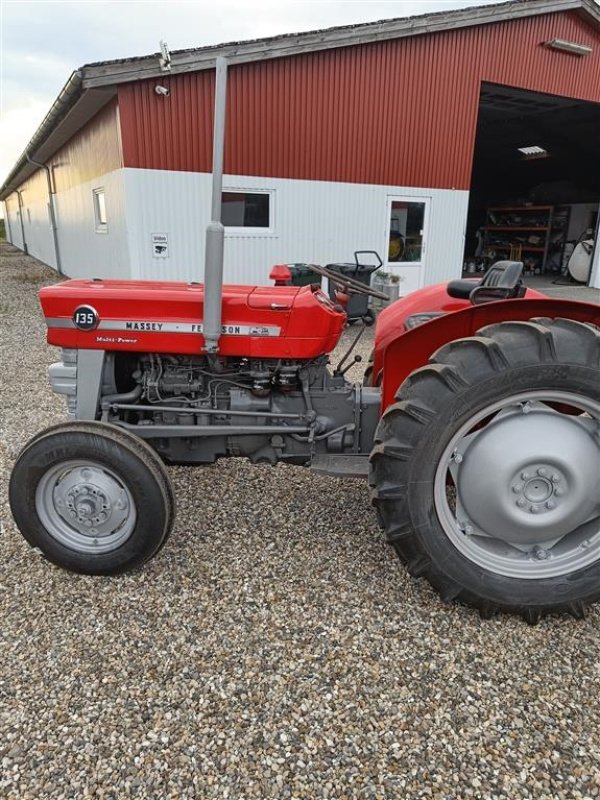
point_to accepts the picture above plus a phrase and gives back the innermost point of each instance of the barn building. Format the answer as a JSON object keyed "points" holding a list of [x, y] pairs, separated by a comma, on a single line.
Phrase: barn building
{"points": [[441, 141]]}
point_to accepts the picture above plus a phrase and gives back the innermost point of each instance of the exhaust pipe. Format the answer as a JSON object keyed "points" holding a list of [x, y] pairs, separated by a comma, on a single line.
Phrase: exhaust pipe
{"points": [[215, 232]]}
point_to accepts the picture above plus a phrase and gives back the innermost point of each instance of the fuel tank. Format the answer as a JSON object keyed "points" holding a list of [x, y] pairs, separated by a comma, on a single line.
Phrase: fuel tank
{"points": [[151, 316]]}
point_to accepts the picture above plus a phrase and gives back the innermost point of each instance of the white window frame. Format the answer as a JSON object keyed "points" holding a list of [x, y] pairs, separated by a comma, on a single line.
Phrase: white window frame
{"points": [[255, 233], [101, 227], [395, 198]]}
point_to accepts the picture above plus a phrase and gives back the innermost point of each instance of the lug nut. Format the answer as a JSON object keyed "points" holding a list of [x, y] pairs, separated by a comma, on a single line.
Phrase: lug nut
{"points": [[458, 458], [540, 553], [542, 471], [517, 488], [533, 509], [559, 492], [521, 502], [526, 408], [550, 504], [555, 478], [524, 475]]}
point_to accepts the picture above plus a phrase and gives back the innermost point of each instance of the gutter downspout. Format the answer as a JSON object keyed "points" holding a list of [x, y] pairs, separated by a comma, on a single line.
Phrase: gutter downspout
{"points": [[51, 194], [20, 199], [215, 232]]}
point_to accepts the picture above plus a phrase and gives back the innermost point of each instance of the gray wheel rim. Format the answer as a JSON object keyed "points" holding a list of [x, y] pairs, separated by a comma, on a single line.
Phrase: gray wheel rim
{"points": [[85, 506], [524, 479]]}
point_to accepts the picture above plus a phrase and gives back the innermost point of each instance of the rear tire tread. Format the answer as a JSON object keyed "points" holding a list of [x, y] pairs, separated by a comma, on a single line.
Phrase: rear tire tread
{"points": [[422, 397]]}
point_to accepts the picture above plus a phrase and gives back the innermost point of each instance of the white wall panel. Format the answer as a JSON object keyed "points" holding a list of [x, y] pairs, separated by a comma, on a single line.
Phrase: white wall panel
{"points": [[38, 231], [313, 221], [36, 225], [85, 253], [13, 221]]}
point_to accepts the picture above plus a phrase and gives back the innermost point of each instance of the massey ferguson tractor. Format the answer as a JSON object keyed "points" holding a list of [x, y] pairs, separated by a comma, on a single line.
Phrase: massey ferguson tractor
{"points": [[477, 424]]}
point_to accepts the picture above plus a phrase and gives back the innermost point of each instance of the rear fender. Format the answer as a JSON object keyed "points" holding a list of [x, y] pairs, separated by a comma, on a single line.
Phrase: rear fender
{"points": [[413, 349]]}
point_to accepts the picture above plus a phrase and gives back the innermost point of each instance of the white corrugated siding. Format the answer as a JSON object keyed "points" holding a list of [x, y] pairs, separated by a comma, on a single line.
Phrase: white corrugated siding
{"points": [[36, 223], [85, 253], [313, 221], [12, 219]]}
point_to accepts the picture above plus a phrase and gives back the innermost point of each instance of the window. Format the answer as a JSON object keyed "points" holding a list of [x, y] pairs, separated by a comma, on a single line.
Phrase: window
{"points": [[406, 231], [100, 211], [246, 210]]}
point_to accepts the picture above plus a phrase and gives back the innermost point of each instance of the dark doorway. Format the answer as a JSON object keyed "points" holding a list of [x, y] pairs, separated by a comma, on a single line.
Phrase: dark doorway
{"points": [[535, 187]]}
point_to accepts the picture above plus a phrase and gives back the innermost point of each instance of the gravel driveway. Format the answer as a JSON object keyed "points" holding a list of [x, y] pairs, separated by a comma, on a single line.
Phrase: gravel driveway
{"points": [[275, 649]]}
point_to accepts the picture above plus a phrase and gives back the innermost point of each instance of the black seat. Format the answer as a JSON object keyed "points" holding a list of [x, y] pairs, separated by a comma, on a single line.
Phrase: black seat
{"points": [[502, 281]]}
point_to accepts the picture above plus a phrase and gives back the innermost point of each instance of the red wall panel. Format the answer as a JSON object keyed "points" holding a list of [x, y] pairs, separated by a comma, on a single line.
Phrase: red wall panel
{"points": [[400, 112]]}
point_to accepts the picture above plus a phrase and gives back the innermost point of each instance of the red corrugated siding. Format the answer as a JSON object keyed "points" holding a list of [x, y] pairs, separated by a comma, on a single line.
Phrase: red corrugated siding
{"points": [[402, 112]]}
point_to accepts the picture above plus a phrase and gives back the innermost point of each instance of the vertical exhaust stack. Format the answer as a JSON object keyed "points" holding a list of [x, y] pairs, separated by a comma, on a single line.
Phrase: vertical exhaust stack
{"points": [[215, 232]]}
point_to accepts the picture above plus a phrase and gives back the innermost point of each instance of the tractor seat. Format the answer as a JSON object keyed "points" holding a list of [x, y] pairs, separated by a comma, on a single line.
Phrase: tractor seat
{"points": [[502, 281]]}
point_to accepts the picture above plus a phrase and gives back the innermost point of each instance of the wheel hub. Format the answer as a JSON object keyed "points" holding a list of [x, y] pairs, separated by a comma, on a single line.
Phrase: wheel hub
{"points": [[528, 479], [85, 506], [87, 503], [539, 488]]}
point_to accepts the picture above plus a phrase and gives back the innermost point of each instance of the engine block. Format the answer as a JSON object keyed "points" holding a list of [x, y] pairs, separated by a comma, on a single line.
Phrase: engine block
{"points": [[194, 410]]}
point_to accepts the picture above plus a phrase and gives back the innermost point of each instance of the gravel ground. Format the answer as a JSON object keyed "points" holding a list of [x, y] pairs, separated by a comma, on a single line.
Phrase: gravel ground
{"points": [[275, 648]]}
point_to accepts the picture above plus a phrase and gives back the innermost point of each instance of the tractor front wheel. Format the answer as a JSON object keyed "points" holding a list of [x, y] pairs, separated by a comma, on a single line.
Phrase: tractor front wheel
{"points": [[486, 470], [92, 498]]}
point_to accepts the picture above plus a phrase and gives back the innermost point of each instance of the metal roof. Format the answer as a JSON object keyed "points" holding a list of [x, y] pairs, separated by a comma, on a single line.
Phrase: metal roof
{"points": [[93, 85]]}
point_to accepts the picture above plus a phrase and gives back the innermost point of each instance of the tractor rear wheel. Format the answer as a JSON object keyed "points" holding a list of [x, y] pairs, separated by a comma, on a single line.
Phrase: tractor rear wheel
{"points": [[486, 470], [92, 498]]}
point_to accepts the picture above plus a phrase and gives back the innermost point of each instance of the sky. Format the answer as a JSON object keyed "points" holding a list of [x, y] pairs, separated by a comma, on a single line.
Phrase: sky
{"points": [[43, 41]]}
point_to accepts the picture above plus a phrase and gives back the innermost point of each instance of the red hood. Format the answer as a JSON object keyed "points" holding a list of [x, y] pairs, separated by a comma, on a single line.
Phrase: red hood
{"points": [[152, 316]]}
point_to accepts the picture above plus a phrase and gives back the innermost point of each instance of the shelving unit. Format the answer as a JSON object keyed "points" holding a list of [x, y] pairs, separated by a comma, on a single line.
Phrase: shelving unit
{"points": [[527, 233]]}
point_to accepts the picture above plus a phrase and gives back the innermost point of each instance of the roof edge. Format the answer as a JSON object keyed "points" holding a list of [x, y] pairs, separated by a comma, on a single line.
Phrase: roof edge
{"points": [[146, 67]]}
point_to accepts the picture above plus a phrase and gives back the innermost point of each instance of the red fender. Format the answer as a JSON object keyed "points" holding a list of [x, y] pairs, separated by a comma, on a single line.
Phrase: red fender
{"points": [[413, 349]]}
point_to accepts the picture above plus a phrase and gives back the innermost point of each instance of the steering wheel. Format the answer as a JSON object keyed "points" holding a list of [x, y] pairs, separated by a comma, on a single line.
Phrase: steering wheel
{"points": [[346, 284]]}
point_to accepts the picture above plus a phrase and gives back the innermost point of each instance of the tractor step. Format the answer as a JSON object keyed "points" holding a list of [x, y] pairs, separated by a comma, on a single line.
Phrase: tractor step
{"points": [[341, 466]]}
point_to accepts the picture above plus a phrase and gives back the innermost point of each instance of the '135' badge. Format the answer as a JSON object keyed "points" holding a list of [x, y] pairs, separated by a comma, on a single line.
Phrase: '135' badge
{"points": [[86, 318]]}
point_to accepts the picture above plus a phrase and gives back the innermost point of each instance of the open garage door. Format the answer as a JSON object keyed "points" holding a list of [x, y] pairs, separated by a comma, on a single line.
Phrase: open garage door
{"points": [[535, 189]]}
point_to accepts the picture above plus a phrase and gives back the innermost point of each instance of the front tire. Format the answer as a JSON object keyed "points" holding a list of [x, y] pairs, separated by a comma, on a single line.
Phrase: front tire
{"points": [[92, 498], [486, 471]]}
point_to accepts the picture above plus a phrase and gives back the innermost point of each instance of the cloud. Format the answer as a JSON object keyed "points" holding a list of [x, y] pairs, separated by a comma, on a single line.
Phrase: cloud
{"points": [[18, 126]]}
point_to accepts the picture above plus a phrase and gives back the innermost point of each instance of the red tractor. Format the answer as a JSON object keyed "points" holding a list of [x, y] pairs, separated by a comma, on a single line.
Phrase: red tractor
{"points": [[477, 424]]}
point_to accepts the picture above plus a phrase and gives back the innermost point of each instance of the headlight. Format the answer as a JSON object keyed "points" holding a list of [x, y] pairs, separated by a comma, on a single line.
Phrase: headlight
{"points": [[419, 319]]}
